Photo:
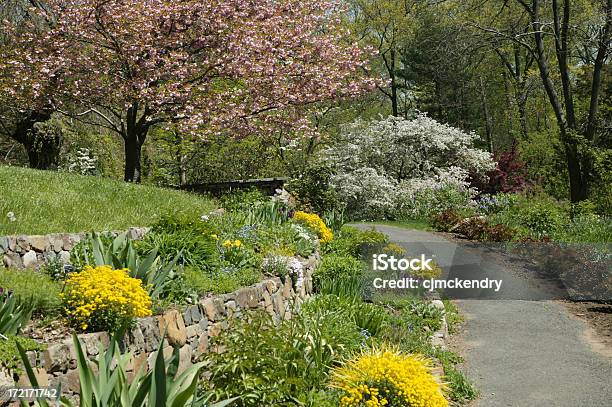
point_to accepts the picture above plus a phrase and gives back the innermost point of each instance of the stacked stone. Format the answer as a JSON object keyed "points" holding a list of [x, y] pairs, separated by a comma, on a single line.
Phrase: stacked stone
{"points": [[35, 251], [190, 330]]}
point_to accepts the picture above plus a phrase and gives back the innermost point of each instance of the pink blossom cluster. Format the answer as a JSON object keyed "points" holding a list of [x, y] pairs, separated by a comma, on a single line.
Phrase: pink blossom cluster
{"points": [[208, 66]]}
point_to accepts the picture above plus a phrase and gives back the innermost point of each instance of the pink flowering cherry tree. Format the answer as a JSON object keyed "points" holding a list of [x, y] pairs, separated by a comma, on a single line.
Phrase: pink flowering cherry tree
{"points": [[204, 67], [27, 88]]}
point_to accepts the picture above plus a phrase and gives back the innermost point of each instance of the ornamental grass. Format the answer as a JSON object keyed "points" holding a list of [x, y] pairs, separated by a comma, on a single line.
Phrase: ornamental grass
{"points": [[103, 299], [387, 377]]}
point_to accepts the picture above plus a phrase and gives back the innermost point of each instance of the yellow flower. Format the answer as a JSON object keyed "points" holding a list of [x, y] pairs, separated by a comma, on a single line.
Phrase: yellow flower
{"points": [[382, 375], [316, 224], [102, 293]]}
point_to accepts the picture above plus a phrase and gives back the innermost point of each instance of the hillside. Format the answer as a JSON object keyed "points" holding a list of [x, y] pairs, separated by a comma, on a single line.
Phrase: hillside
{"points": [[47, 202]]}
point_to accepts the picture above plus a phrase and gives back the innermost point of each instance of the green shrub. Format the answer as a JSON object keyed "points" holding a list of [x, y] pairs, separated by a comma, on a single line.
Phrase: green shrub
{"points": [[36, 288], [370, 318], [535, 215], [350, 288], [337, 266], [314, 194], [193, 240], [586, 228], [265, 364], [350, 241], [242, 199]]}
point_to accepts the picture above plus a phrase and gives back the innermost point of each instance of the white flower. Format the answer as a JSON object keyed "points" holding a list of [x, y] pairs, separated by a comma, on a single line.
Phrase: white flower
{"points": [[204, 218], [281, 195], [395, 166], [11, 216]]}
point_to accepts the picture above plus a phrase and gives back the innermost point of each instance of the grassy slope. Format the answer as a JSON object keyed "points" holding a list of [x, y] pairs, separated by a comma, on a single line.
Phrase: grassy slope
{"points": [[47, 202]]}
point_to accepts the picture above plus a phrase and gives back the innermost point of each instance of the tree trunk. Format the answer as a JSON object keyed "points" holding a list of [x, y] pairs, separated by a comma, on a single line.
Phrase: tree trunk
{"points": [[42, 145], [566, 131], [181, 159], [134, 138], [521, 103], [133, 153], [43, 153], [488, 120]]}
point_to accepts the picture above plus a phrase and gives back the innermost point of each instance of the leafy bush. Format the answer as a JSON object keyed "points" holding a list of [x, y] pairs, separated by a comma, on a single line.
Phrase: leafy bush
{"points": [[313, 190], [103, 299], [242, 199], [509, 175], [350, 241], [33, 287], [267, 364], [446, 220], [448, 189], [337, 266], [384, 376], [536, 215], [193, 241]]}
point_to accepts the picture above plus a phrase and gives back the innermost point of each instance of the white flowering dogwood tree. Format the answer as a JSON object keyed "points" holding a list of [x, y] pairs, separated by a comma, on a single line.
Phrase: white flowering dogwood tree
{"points": [[396, 167]]}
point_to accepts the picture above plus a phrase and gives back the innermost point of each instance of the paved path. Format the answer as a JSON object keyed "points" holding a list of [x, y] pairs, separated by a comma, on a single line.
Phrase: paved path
{"points": [[522, 353]]}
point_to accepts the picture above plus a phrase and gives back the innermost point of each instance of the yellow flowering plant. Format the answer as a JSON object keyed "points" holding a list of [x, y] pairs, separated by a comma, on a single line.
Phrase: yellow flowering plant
{"points": [[316, 224], [104, 299], [384, 376]]}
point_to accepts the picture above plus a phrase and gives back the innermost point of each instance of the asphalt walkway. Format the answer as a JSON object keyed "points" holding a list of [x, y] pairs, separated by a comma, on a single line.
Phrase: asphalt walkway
{"points": [[519, 353]]}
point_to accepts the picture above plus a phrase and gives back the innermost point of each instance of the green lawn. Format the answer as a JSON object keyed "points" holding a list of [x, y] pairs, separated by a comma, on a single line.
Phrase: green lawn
{"points": [[418, 224], [48, 202]]}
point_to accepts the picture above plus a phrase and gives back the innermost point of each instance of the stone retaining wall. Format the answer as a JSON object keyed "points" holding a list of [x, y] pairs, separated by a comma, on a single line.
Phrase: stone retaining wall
{"points": [[190, 330], [34, 251]]}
